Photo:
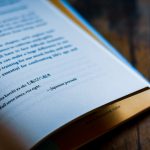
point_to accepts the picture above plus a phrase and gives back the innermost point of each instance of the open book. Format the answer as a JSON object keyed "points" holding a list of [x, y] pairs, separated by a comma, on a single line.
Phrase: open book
{"points": [[57, 81]]}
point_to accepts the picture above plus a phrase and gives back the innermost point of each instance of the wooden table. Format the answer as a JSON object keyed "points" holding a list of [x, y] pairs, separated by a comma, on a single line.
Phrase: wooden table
{"points": [[126, 25]]}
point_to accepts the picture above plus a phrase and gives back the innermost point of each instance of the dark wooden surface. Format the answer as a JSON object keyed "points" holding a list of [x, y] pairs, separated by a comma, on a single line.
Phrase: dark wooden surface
{"points": [[126, 25]]}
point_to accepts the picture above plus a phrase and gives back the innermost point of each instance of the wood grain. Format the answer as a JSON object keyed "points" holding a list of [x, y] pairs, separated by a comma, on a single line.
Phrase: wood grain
{"points": [[126, 25]]}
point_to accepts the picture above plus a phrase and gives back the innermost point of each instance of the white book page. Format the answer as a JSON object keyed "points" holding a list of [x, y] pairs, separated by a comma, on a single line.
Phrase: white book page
{"points": [[51, 71]]}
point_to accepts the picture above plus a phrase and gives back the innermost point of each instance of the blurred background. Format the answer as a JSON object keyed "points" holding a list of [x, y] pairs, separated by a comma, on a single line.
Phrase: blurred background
{"points": [[125, 24]]}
